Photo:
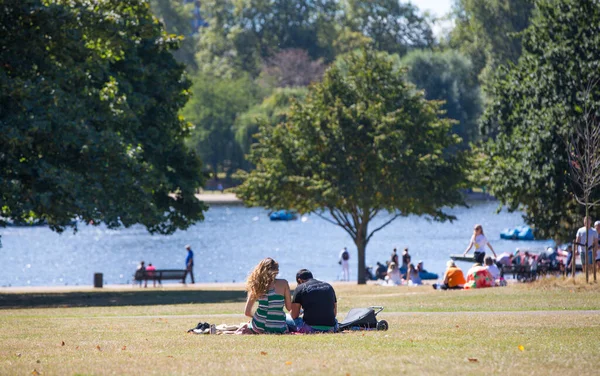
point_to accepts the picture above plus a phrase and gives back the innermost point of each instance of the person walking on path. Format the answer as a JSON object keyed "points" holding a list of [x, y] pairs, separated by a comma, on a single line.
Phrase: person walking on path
{"points": [[479, 241], [189, 264], [344, 257]]}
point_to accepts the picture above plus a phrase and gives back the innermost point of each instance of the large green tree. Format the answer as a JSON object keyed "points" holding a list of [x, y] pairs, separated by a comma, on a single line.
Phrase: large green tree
{"points": [[488, 32], [447, 76], [89, 124], [392, 25], [242, 33], [536, 102], [363, 143], [272, 110], [213, 109]]}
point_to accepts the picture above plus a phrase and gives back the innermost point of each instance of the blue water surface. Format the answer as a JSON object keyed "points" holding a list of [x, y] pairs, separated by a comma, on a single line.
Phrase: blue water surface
{"points": [[233, 239]]}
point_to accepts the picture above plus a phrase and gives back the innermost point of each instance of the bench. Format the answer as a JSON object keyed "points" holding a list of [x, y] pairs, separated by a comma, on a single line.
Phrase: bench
{"points": [[160, 275], [523, 273]]}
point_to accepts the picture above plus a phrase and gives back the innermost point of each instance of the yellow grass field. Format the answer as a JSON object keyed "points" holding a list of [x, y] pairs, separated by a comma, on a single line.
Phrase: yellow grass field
{"points": [[547, 328]]}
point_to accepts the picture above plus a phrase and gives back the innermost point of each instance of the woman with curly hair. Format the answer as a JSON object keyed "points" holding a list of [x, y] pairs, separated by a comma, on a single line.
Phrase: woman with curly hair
{"points": [[272, 294]]}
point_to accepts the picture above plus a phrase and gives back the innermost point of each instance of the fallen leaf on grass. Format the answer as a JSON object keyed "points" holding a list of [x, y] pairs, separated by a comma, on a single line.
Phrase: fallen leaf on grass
{"points": [[38, 361], [288, 363], [124, 348], [98, 347], [169, 356], [76, 347], [263, 353], [473, 360], [521, 348], [63, 343], [35, 372], [458, 326], [18, 355], [347, 374]]}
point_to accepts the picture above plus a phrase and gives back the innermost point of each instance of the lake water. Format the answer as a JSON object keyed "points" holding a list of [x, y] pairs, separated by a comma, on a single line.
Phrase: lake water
{"points": [[232, 240]]}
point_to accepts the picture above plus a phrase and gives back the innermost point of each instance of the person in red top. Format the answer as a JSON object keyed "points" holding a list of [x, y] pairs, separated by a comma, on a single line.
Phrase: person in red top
{"points": [[150, 273]]}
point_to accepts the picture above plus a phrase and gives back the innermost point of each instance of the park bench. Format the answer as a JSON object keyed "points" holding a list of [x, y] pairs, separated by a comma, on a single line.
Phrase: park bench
{"points": [[160, 275], [522, 273]]}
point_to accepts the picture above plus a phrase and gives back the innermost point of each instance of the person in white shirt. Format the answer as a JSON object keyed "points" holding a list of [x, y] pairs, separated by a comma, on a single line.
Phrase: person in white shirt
{"points": [[344, 257], [479, 241], [393, 275], [493, 269], [587, 241]]}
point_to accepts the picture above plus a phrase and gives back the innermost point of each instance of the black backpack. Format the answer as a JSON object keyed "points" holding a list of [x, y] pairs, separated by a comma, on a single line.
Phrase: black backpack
{"points": [[345, 256]]}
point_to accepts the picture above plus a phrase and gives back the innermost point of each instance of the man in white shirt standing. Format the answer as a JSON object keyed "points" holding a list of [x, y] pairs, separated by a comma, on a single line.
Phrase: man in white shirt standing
{"points": [[344, 257], [587, 242]]}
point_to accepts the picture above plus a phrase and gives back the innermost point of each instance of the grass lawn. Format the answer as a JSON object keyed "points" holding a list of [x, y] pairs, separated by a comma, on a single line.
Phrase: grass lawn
{"points": [[548, 328]]}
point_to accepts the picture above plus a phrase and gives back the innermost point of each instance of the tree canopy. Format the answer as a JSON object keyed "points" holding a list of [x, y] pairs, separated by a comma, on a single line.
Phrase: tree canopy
{"points": [[536, 102], [364, 142], [89, 126], [447, 76]]}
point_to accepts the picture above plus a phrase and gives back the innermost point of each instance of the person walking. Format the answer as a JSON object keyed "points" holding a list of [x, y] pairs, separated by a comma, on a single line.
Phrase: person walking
{"points": [[189, 264], [344, 257], [479, 241]]}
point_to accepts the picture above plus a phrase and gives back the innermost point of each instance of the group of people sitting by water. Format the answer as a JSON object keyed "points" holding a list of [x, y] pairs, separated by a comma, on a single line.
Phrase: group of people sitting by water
{"points": [[394, 273], [312, 308]]}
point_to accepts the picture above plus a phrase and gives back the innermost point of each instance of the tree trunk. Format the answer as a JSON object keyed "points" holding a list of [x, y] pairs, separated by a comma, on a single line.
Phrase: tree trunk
{"points": [[584, 260], [361, 246]]}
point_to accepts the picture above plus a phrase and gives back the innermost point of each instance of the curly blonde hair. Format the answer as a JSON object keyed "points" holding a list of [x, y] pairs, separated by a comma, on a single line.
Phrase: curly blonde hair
{"points": [[261, 277]]}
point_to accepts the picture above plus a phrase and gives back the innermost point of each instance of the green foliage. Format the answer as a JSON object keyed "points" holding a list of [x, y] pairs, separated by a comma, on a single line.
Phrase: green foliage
{"points": [[241, 33], [215, 104], [393, 26], [177, 19], [364, 141], [447, 76], [273, 110], [89, 126], [488, 32], [535, 104]]}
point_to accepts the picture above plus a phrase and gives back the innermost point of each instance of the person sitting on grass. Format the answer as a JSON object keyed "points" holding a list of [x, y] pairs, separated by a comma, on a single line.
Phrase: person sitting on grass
{"points": [[272, 295], [493, 269], [454, 279], [393, 276], [319, 303], [412, 276]]}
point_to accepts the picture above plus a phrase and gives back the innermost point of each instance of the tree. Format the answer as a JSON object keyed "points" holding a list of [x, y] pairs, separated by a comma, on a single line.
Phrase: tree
{"points": [[488, 31], [535, 104], [215, 104], [89, 127], [392, 26], [362, 143], [241, 34], [292, 67], [177, 18], [583, 152], [272, 110], [447, 76]]}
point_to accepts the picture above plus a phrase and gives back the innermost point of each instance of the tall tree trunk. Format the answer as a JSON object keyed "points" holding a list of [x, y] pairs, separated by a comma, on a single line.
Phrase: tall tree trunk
{"points": [[361, 246]]}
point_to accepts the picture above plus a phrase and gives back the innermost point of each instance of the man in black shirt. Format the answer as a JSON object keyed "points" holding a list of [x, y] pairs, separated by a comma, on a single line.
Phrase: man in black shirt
{"points": [[319, 303]]}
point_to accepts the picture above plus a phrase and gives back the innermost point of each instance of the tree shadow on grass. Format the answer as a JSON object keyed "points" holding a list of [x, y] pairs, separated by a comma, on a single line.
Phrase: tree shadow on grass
{"points": [[117, 298]]}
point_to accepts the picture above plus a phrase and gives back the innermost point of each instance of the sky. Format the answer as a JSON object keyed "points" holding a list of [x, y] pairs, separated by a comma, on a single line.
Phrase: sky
{"points": [[437, 7]]}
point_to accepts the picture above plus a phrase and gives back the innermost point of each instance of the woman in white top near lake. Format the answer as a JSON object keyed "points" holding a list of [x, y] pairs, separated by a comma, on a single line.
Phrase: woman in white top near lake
{"points": [[479, 241]]}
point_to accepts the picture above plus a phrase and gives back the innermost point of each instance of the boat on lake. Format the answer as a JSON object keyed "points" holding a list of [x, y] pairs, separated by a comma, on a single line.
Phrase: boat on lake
{"points": [[283, 215], [517, 233]]}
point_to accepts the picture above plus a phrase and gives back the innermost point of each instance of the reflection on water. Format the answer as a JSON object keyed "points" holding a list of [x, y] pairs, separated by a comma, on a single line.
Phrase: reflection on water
{"points": [[232, 240]]}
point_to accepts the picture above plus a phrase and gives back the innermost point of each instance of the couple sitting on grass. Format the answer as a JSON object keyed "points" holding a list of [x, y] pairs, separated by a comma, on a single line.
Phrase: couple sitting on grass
{"points": [[315, 299]]}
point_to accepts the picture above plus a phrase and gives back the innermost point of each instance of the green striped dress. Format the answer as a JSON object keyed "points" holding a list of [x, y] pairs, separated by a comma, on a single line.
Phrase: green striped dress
{"points": [[269, 316]]}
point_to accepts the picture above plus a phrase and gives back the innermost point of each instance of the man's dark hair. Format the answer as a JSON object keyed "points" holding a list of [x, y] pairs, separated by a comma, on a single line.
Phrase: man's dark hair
{"points": [[303, 274]]}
